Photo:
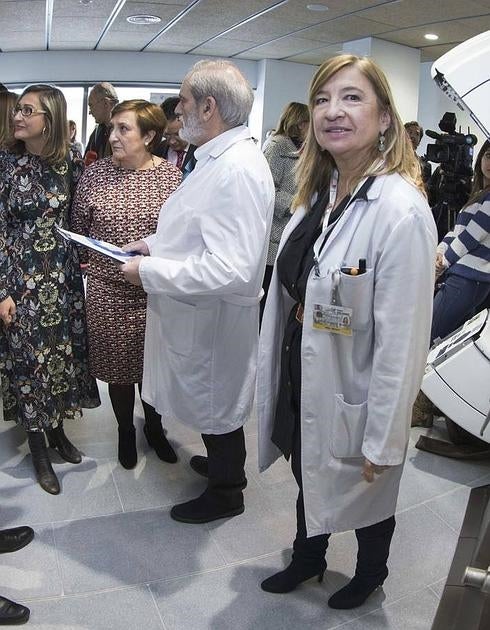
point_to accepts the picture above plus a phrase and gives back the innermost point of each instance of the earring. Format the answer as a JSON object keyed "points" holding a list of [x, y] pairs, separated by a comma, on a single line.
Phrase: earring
{"points": [[43, 131], [146, 143], [381, 142]]}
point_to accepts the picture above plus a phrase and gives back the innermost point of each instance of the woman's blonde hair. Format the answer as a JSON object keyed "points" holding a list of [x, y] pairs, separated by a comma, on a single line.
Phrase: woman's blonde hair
{"points": [[293, 115], [315, 165], [55, 123], [7, 102]]}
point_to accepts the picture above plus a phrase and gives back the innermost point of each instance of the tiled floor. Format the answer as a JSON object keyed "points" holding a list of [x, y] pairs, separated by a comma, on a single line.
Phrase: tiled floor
{"points": [[107, 555]]}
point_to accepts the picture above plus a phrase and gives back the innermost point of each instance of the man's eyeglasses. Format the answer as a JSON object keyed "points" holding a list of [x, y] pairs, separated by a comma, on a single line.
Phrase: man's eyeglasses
{"points": [[26, 110]]}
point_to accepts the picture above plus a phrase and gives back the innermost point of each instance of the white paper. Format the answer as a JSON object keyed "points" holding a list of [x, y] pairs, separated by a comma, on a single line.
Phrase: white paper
{"points": [[106, 249]]}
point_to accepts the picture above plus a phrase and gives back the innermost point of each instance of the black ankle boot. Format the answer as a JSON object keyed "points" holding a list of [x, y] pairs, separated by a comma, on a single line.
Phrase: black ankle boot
{"points": [[40, 458], [355, 593], [157, 439], [126, 448], [12, 614], [293, 575], [58, 440]]}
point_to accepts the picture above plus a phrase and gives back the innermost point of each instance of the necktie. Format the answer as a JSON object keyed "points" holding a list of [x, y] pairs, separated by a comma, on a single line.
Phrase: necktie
{"points": [[180, 158]]}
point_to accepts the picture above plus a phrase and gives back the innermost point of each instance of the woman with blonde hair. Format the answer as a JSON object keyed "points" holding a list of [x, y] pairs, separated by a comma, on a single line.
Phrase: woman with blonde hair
{"points": [[346, 325], [119, 199], [43, 344], [282, 152]]}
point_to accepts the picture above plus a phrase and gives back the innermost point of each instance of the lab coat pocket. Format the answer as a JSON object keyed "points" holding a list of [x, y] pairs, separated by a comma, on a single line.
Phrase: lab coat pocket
{"points": [[357, 293], [348, 428], [178, 324]]}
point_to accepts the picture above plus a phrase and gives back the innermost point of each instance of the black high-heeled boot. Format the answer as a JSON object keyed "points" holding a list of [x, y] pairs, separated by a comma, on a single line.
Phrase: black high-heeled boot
{"points": [[40, 458], [126, 448], [371, 569], [58, 440], [155, 435], [293, 575]]}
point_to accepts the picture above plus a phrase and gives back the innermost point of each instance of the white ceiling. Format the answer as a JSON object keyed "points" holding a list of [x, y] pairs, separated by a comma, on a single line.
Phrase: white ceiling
{"points": [[247, 29]]}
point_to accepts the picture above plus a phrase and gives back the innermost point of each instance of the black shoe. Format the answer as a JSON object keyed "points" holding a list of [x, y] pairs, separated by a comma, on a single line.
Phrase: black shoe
{"points": [[58, 440], [40, 458], [156, 438], [293, 575], [199, 464], [16, 538], [126, 448], [12, 614], [354, 593], [208, 507]]}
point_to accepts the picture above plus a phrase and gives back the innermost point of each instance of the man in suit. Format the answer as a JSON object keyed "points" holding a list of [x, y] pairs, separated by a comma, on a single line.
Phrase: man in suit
{"points": [[101, 101], [12, 614], [174, 149]]}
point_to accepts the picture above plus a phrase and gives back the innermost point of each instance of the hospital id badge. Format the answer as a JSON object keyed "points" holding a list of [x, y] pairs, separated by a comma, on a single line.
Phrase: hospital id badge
{"points": [[333, 318]]}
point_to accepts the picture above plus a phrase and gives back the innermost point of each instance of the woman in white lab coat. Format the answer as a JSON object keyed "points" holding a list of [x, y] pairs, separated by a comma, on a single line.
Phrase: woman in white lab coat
{"points": [[346, 325]]}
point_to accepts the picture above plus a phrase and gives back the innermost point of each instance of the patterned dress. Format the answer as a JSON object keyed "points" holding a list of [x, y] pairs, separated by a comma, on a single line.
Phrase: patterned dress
{"points": [[43, 352], [119, 206]]}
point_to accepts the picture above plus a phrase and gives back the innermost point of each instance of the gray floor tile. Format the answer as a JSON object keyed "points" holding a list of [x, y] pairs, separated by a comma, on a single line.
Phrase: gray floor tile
{"points": [[414, 612], [154, 483], [427, 476], [32, 571], [129, 609], [129, 549], [438, 587], [267, 525], [232, 598], [87, 490]]}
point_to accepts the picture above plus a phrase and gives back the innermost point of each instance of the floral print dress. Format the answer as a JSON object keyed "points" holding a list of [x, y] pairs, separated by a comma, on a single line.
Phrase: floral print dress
{"points": [[43, 353]]}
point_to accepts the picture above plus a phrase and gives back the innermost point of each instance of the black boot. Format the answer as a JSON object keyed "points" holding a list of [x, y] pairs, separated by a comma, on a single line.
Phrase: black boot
{"points": [[199, 464], [156, 438], [12, 614], [58, 440], [40, 458], [15, 538], [126, 448], [208, 507], [371, 569], [293, 575]]}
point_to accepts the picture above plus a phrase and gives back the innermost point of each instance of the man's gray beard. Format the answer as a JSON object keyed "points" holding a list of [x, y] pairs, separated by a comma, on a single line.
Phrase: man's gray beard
{"points": [[191, 131]]}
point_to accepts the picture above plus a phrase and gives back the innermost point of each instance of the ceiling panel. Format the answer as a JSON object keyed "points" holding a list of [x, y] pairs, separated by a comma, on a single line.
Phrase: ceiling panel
{"points": [[408, 13], [289, 31]]}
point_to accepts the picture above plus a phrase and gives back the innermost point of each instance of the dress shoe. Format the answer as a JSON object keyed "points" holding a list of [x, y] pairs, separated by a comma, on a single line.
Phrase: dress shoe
{"points": [[40, 458], [199, 464], [157, 439], [208, 507], [293, 575], [12, 614], [16, 538], [126, 448], [355, 593], [58, 440]]}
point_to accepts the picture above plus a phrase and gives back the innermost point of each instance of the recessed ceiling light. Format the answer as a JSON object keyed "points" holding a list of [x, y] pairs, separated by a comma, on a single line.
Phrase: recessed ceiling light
{"points": [[431, 36], [86, 2], [316, 7], [143, 19]]}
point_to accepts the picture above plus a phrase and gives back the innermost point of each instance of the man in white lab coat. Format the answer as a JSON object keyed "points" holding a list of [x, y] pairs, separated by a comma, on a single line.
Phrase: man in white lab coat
{"points": [[203, 272]]}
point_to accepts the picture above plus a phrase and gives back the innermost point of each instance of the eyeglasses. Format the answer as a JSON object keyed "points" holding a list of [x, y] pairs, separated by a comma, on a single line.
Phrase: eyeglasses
{"points": [[26, 110]]}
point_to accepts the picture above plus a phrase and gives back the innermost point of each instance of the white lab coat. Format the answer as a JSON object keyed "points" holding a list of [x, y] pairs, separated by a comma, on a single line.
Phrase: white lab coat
{"points": [[357, 392], [203, 278]]}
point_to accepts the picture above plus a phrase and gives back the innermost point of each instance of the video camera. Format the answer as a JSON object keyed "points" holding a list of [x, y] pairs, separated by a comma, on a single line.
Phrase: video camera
{"points": [[452, 150]]}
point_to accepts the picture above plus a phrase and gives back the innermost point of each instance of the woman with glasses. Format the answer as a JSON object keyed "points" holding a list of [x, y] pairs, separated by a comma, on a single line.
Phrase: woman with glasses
{"points": [[43, 346]]}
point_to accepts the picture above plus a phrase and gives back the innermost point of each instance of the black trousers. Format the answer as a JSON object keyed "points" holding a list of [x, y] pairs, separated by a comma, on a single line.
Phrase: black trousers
{"points": [[226, 461], [373, 541]]}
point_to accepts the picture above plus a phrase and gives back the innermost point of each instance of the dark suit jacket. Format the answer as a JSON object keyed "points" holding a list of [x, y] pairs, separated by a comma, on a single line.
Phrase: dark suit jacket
{"points": [[189, 159], [99, 142]]}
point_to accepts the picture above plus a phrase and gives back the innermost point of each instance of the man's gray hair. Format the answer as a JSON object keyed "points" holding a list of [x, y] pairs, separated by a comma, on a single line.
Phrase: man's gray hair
{"points": [[222, 80], [105, 90]]}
